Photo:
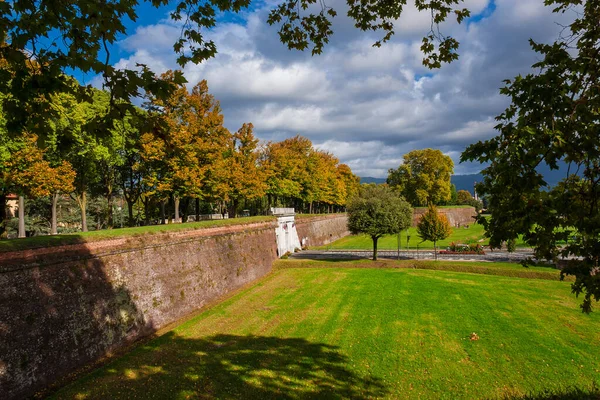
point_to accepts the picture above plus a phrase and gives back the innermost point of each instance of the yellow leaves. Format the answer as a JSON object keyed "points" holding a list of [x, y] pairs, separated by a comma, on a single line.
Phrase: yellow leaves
{"points": [[239, 175], [191, 153], [293, 168], [30, 173], [183, 150]]}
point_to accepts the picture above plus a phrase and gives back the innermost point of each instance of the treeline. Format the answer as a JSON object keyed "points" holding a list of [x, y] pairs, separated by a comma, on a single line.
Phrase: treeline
{"points": [[164, 161]]}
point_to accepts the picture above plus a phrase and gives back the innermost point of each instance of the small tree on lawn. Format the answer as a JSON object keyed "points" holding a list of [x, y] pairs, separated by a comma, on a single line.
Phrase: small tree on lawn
{"points": [[433, 227], [376, 211]]}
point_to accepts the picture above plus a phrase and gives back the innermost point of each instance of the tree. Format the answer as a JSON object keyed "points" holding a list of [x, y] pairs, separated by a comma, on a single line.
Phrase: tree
{"points": [[242, 179], [184, 145], [30, 174], [79, 35], [130, 176], [75, 137], [463, 197], [285, 164], [433, 227], [424, 177], [350, 182], [377, 211], [553, 119]]}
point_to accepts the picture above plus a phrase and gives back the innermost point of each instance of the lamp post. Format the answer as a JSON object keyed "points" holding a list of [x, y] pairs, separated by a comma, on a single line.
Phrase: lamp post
{"points": [[398, 256]]}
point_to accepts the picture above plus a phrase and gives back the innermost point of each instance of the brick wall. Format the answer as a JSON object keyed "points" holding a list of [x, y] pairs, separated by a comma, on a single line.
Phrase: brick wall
{"points": [[64, 307]]}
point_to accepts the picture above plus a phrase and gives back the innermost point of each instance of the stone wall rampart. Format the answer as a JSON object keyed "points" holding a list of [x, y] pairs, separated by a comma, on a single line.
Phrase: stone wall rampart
{"points": [[456, 216], [64, 307], [323, 229]]}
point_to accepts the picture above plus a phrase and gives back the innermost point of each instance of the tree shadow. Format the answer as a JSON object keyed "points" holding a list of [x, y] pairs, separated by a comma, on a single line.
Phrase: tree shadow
{"points": [[566, 394], [60, 312], [227, 366]]}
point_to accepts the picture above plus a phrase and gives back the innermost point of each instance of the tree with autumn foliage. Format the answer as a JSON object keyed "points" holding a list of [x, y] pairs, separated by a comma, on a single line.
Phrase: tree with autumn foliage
{"points": [[301, 176], [241, 178], [434, 227], [285, 165], [320, 184], [185, 143], [350, 184], [31, 175]]}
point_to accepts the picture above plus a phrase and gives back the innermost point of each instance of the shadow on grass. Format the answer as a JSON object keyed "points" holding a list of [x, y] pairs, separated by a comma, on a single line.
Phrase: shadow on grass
{"points": [[228, 366], [568, 394]]}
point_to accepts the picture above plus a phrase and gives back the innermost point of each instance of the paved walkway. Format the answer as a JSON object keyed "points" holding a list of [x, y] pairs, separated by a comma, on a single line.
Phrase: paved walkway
{"points": [[497, 255]]}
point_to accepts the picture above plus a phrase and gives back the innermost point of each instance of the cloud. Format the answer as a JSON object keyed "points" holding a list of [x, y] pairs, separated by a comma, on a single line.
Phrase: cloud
{"points": [[366, 105]]}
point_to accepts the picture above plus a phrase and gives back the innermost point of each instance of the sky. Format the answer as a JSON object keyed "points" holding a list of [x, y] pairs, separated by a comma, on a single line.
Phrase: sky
{"points": [[368, 106]]}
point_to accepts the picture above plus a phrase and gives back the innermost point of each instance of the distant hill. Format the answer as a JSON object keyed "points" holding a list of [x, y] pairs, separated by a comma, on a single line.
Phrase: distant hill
{"points": [[369, 179], [552, 177], [466, 182]]}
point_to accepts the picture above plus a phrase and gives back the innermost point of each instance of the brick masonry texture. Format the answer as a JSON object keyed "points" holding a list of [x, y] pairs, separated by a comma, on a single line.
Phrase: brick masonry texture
{"points": [[64, 307], [456, 216]]}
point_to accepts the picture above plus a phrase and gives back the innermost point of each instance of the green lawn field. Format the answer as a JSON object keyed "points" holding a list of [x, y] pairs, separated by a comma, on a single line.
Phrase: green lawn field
{"points": [[473, 234], [368, 333]]}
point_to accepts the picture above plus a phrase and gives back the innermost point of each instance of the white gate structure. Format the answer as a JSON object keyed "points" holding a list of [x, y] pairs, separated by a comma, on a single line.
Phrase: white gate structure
{"points": [[286, 233]]}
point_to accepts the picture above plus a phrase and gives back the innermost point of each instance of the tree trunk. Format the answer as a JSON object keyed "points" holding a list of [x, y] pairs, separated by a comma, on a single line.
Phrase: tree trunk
{"points": [[162, 212], [130, 220], [233, 209], [53, 223], [3, 216], [82, 205], [434, 251], [110, 218], [375, 238], [176, 201], [197, 209], [185, 206], [146, 202], [21, 217], [310, 210]]}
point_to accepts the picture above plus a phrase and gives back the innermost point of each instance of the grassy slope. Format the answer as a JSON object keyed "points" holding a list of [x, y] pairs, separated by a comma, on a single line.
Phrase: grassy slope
{"points": [[84, 237], [474, 233], [458, 206], [486, 268], [340, 333]]}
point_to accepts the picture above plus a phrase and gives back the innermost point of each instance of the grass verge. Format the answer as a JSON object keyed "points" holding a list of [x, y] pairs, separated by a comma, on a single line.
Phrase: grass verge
{"points": [[86, 237], [486, 268], [473, 234]]}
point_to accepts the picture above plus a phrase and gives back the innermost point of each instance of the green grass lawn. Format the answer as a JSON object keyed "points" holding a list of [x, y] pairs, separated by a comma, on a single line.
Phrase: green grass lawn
{"points": [[367, 333], [85, 237], [509, 269], [473, 234], [456, 206]]}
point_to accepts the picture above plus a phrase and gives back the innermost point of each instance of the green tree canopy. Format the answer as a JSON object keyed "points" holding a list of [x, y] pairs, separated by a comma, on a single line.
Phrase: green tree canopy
{"points": [[424, 177], [67, 36], [553, 119], [377, 210]]}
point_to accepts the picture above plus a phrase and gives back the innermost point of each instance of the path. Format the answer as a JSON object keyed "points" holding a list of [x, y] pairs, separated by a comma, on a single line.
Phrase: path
{"points": [[498, 255]]}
